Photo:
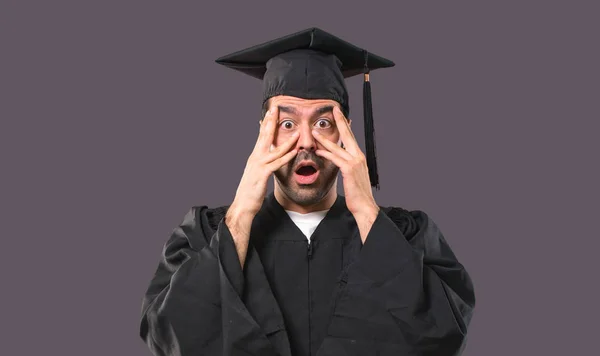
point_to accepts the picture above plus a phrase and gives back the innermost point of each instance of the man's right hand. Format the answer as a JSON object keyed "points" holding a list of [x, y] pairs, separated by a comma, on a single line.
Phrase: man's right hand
{"points": [[261, 164]]}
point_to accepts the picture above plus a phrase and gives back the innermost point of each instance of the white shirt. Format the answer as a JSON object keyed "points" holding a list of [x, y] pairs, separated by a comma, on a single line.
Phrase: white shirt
{"points": [[307, 223]]}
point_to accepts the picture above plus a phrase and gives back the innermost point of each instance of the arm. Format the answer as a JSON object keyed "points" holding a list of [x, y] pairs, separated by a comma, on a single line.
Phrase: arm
{"points": [[192, 305], [407, 266], [239, 223], [365, 220]]}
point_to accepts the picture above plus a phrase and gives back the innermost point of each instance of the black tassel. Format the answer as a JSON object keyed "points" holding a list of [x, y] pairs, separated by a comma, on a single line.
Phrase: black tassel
{"points": [[369, 128]]}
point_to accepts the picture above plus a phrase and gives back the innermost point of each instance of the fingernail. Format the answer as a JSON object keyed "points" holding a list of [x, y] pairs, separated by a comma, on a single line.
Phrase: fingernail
{"points": [[315, 132]]}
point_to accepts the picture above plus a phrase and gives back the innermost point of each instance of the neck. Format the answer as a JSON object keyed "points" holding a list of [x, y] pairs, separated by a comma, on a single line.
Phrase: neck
{"points": [[288, 204]]}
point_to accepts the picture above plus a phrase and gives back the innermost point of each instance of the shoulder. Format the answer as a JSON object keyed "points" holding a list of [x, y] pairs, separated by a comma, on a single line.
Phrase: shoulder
{"points": [[199, 224], [410, 222]]}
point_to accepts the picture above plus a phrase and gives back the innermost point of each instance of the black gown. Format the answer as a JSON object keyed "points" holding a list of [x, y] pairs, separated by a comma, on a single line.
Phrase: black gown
{"points": [[401, 293]]}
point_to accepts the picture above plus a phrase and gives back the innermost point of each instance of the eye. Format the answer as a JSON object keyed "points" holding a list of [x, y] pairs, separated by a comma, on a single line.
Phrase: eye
{"points": [[323, 123], [287, 124]]}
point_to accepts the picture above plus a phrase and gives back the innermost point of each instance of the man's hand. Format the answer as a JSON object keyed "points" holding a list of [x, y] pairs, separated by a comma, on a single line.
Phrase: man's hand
{"points": [[355, 173], [262, 163], [253, 185]]}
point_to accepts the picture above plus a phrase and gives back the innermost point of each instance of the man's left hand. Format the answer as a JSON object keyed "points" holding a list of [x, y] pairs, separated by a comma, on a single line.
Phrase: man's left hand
{"points": [[353, 166]]}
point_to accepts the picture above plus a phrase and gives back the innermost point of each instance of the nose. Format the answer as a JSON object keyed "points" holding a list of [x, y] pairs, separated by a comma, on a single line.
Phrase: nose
{"points": [[306, 141]]}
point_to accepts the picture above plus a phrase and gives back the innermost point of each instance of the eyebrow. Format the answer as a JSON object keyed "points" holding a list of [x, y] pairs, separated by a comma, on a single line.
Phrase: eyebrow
{"points": [[320, 111], [324, 109], [287, 109]]}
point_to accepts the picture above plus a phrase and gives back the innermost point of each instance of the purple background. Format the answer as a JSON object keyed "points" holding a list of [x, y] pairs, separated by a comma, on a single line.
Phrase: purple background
{"points": [[114, 118]]}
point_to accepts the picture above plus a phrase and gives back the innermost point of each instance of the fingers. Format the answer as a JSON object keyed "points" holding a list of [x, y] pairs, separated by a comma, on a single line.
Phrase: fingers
{"points": [[332, 147], [283, 148], [272, 126], [267, 129], [337, 160], [346, 134], [279, 162]]}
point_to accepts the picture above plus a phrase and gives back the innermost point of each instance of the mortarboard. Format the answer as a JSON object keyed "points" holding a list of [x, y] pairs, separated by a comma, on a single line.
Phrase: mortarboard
{"points": [[313, 64]]}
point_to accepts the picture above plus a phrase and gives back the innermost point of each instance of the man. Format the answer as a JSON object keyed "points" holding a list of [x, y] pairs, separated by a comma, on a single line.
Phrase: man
{"points": [[304, 270]]}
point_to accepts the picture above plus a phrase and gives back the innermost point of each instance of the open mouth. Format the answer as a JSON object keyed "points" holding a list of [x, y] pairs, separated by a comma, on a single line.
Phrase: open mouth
{"points": [[306, 173], [306, 170]]}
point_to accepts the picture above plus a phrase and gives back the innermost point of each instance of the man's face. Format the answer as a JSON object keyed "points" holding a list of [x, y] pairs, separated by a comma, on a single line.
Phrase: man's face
{"points": [[307, 178]]}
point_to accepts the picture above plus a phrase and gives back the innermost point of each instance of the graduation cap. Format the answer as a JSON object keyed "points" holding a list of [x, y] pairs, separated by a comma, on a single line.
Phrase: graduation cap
{"points": [[313, 64]]}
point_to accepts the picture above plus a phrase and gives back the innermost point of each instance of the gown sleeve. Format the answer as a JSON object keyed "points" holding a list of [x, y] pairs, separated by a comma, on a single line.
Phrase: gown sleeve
{"points": [[193, 304], [406, 275]]}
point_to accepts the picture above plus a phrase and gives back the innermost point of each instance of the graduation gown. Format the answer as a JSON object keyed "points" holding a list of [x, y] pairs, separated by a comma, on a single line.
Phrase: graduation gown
{"points": [[401, 293]]}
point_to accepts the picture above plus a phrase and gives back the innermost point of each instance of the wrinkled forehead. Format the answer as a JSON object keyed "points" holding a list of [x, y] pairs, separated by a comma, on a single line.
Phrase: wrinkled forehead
{"points": [[301, 105]]}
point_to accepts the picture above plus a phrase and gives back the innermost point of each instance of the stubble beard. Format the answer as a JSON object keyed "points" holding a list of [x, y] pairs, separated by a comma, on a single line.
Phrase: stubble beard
{"points": [[311, 194]]}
